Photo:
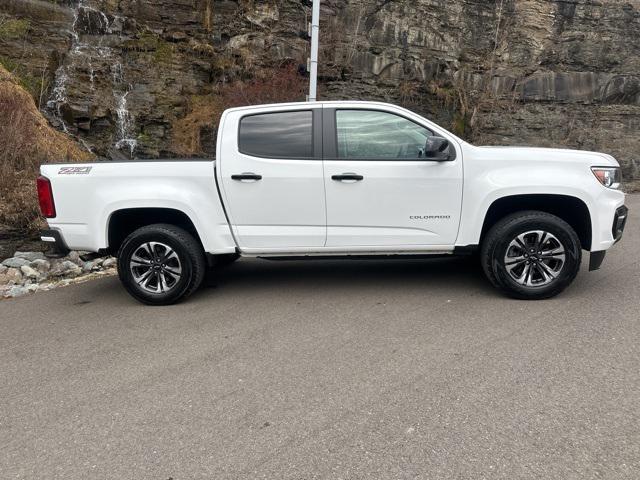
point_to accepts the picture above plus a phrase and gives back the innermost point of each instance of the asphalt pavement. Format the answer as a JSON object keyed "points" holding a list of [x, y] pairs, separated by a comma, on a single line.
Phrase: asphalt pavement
{"points": [[328, 370]]}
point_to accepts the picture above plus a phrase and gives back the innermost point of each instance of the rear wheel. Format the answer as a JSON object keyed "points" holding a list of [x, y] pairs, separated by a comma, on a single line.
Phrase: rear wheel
{"points": [[531, 255], [161, 264]]}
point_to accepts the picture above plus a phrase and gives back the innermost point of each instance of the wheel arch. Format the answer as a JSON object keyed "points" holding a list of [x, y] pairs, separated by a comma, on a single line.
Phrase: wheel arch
{"points": [[122, 222], [569, 208]]}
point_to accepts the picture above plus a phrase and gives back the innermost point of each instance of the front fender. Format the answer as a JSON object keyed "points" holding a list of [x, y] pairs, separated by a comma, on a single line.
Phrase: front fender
{"points": [[483, 189]]}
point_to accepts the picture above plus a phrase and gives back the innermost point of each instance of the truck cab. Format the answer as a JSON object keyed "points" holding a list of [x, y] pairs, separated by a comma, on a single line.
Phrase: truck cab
{"points": [[337, 178]]}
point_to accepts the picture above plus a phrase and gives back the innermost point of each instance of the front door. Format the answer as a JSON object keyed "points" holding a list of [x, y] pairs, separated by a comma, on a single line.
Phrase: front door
{"points": [[381, 192], [272, 179]]}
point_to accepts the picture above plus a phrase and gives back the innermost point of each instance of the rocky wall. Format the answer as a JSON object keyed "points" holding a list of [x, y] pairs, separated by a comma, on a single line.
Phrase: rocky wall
{"points": [[118, 74]]}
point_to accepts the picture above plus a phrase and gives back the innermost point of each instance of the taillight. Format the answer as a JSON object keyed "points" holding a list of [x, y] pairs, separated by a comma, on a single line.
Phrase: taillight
{"points": [[45, 197]]}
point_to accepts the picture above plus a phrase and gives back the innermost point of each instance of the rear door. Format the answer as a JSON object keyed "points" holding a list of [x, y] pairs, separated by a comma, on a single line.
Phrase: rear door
{"points": [[381, 192], [272, 178]]}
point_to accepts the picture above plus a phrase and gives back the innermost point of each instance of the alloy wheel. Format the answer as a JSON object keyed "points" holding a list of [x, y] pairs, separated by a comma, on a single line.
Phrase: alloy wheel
{"points": [[155, 267], [534, 258]]}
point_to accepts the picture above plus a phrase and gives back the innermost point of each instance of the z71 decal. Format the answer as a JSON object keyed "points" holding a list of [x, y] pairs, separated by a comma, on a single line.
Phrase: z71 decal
{"points": [[74, 170]]}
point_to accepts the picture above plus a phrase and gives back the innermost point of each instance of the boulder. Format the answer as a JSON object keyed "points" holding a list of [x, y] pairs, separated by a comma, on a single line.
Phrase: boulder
{"points": [[16, 291], [75, 258], [109, 262], [12, 276], [94, 265], [31, 256], [15, 262], [65, 268], [29, 272], [42, 266]]}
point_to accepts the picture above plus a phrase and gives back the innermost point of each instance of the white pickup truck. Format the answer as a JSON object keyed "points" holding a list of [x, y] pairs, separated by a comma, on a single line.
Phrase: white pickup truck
{"points": [[338, 179]]}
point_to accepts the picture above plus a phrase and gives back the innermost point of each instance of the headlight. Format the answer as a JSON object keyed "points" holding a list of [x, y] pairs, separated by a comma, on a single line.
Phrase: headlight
{"points": [[610, 177]]}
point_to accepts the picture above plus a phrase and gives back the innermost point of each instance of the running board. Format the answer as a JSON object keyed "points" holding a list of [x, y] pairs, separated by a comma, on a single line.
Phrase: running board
{"points": [[357, 256]]}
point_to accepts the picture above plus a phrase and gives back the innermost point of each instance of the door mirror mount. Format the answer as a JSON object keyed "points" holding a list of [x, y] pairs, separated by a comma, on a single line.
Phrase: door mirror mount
{"points": [[437, 149]]}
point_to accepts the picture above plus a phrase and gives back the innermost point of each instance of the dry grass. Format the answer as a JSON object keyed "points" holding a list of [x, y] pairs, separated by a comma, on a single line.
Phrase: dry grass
{"points": [[273, 86], [27, 141], [204, 112]]}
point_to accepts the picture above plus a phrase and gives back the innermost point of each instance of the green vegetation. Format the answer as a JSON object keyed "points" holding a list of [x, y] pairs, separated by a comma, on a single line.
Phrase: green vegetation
{"points": [[198, 48], [461, 124], [164, 51], [147, 140], [144, 138], [222, 64], [33, 84], [149, 42], [454, 98], [13, 28]]}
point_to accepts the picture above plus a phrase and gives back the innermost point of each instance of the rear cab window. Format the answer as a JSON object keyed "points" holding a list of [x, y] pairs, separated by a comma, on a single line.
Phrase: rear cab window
{"points": [[286, 135]]}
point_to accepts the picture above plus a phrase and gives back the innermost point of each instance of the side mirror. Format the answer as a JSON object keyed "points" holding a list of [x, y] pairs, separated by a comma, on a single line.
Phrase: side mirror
{"points": [[437, 149]]}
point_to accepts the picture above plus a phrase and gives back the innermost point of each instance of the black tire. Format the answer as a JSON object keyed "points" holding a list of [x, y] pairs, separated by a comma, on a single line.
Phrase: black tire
{"points": [[558, 270], [223, 260], [189, 259]]}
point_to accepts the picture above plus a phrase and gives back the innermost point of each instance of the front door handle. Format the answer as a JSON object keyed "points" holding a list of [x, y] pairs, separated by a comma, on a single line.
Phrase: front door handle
{"points": [[354, 177], [246, 176]]}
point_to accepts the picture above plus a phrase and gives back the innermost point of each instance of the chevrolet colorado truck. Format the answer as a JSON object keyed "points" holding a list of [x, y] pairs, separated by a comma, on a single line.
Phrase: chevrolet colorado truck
{"points": [[338, 179]]}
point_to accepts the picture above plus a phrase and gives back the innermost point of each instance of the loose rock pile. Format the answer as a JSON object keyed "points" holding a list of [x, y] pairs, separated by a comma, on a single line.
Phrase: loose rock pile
{"points": [[28, 272]]}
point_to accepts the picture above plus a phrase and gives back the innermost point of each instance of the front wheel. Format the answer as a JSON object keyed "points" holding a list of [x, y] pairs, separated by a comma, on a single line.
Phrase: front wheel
{"points": [[161, 264], [531, 255]]}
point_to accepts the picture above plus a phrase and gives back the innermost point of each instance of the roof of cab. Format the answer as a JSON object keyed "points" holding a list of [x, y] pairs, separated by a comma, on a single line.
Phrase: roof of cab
{"points": [[307, 104]]}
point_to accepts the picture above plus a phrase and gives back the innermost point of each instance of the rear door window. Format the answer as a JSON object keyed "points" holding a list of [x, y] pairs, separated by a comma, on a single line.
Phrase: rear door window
{"points": [[277, 135]]}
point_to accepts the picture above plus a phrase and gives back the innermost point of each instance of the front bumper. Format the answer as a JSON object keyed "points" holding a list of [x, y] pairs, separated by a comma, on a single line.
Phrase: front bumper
{"points": [[617, 229], [57, 246], [619, 222]]}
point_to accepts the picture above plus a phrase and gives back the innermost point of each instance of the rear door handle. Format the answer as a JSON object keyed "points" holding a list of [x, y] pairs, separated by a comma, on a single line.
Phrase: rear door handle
{"points": [[246, 176], [354, 177]]}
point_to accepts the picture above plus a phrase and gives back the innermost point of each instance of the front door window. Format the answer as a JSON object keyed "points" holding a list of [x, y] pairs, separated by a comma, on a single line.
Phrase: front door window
{"points": [[371, 135]]}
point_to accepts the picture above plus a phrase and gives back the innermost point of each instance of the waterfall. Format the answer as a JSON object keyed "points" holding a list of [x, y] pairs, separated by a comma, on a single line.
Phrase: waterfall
{"points": [[117, 73], [92, 76], [125, 125], [87, 56], [103, 24], [87, 147], [59, 95]]}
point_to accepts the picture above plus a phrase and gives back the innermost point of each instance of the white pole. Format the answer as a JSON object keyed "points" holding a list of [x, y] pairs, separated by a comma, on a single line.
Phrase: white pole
{"points": [[315, 32]]}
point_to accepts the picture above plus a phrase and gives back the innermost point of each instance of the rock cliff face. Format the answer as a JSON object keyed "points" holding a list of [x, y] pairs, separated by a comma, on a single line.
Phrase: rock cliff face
{"points": [[119, 74]]}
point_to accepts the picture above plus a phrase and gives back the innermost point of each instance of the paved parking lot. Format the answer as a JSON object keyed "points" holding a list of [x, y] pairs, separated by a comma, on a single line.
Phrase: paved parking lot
{"points": [[352, 370]]}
